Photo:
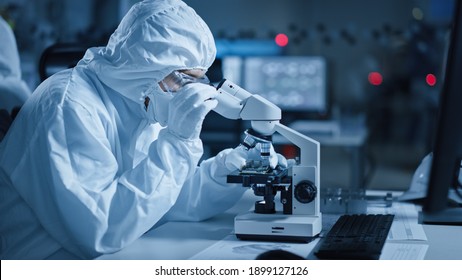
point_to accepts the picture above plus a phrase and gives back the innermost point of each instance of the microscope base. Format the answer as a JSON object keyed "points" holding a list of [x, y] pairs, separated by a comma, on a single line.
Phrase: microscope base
{"points": [[277, 227]]}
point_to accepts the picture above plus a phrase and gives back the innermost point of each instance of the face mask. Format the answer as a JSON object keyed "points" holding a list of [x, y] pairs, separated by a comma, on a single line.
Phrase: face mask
{"points": [[157, 110]]}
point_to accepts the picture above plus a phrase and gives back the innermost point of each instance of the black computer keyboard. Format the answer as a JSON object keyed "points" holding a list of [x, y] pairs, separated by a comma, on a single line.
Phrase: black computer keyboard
{"points": [[356, 237]]}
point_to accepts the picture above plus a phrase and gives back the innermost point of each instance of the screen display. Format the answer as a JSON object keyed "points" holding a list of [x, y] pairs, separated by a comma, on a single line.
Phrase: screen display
{"points": [[294, 83], [232, 67]]}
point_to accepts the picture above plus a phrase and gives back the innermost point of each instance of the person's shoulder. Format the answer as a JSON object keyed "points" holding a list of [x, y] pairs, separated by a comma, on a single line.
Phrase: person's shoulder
{"points": [[57, 81], [69, 89]]}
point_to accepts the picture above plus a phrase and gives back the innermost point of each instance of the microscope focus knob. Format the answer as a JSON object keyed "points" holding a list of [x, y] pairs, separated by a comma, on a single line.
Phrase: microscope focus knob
{"points": [[305, 191]]}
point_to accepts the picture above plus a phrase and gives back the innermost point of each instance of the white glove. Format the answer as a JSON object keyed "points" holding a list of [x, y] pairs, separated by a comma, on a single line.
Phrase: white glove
{"points": [[236, 159], [188, 108]]}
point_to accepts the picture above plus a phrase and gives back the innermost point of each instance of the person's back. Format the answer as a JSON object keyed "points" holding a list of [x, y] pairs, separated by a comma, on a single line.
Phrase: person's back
{"points": [[23, 160], [60, 103]]}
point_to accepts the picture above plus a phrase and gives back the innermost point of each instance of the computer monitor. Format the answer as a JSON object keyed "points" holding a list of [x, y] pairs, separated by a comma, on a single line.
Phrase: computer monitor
{"points": [[232, 68], [294, 83], [447, 151]]}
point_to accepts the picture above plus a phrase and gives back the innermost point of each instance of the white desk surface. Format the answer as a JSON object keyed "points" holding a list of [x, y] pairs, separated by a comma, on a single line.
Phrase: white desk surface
{"points": [[183, 240]]}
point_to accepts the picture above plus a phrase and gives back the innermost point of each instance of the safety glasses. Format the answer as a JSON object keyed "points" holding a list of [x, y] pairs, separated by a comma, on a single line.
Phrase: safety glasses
{"points": [[176, 80]]}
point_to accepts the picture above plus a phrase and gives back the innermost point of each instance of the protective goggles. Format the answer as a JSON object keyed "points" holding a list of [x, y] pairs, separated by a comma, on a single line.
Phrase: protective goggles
{"points": [[176, 80]]}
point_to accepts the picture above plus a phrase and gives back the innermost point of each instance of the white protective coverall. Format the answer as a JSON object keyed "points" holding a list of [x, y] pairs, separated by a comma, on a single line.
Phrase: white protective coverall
{"points": [[13, 90], [83, 172]]}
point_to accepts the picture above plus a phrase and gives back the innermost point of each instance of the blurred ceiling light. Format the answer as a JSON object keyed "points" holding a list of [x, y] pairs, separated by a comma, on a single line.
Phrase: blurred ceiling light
{"points": [[375, 78], [430, 79], [281, 40]]}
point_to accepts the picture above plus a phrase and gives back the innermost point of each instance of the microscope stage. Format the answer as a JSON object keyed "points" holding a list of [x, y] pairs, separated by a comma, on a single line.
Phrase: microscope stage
{"points": [[277, 227]]}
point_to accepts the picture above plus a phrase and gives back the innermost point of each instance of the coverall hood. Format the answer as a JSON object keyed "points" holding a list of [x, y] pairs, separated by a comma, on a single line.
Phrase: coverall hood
{"points": [[153, 39]]}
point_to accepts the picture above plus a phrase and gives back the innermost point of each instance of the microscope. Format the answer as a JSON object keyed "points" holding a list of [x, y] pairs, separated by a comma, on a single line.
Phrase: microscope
{"points": [[298, 185]]}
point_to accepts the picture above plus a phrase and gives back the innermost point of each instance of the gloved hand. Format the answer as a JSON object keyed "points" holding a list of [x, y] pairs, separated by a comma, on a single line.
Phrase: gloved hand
{"points": [[237, 158], [188, 108]]}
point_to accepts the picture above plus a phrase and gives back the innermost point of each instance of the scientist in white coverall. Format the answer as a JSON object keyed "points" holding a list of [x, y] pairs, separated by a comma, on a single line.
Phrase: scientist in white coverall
{"points": [[102, 152], [13, 90]]}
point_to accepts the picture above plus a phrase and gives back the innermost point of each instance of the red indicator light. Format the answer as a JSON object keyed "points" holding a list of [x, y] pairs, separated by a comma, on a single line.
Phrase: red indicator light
{"points": [[375, 78], [430, 79], [281, 40]]}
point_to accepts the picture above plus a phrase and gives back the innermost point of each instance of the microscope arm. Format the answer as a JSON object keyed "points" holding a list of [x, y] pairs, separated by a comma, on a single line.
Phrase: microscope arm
{"points": [[309, 148]]}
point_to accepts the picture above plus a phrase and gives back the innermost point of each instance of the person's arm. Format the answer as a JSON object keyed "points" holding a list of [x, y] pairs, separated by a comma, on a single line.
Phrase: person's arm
{"points": [[206, 194]]}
